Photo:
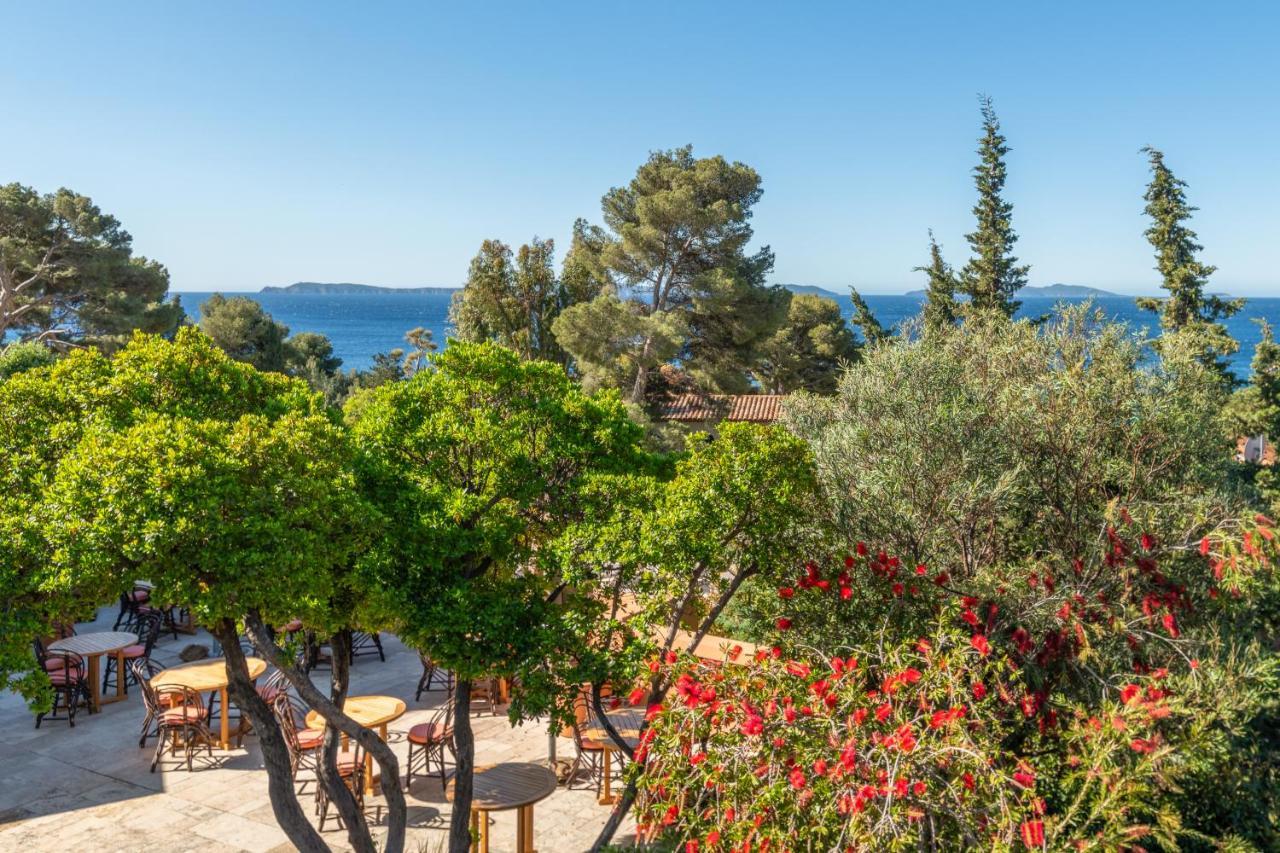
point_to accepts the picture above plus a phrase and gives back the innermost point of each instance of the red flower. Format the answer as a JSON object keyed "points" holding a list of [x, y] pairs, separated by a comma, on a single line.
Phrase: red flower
{"points": [[1128, 692], [846, 593], [941, 578], [1204, 547], [820, 767], [967, 779], [798, 669], [971, 617], [922, 569], [861, 549], [691, 846], [1033, 833], [1170, 623], [635, 697], [919, 788], [786, 592], [1025, 779], [797, 778], [713, 837], [670, 817], [1143, 746], [783, 623], [1148, 541], [980, 643], [672, 657], [979, 690]]}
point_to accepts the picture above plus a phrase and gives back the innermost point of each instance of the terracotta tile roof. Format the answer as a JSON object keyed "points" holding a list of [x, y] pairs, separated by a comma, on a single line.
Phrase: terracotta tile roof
{"points": [[760, 408]]}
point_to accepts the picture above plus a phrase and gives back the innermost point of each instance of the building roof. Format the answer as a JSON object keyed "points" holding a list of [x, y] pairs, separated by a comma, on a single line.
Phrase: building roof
{"points": [[759, 408]]}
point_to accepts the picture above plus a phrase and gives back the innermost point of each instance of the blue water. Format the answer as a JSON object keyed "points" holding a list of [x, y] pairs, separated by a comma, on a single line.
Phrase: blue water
{"points": [[361, 325]]}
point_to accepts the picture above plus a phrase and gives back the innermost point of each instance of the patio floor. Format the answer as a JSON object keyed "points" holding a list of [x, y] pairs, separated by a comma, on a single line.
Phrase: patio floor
{"points": [[89, 788]]}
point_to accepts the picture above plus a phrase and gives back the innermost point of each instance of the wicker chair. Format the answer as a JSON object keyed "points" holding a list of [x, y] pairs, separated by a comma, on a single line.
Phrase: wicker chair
{"points": [[351, 771], [148, 625], [130, 602], [143, 670], [180, 717], [70, 677], [433, 674], [363, 643], [303, 743], [429, 741]]}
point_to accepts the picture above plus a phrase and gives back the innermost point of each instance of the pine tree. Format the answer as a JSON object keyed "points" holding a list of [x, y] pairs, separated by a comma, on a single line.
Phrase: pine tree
{"points": [[1186, 314], [865, 321], [992, 275], [940, 304]]}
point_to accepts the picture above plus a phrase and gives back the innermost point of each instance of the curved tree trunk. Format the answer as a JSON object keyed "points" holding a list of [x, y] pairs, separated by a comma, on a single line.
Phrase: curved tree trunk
{"points": [[340, 795], [464, 746], [389, 767], [275, 753]]}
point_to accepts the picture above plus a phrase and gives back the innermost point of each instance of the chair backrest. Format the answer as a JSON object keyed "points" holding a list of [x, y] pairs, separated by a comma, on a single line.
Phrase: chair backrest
{"points": [[171, 695], [144, 669], [282, 710], [276, 681], [148, 626]]}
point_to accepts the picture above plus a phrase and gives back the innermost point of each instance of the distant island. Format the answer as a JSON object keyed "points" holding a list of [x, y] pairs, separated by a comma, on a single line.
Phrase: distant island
{"points": [[313, 288], [1052, 291]]}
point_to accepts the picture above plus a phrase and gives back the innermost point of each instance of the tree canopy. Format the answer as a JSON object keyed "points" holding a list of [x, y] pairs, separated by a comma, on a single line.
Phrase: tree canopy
{"points": [[68, 272], [992, 276]]}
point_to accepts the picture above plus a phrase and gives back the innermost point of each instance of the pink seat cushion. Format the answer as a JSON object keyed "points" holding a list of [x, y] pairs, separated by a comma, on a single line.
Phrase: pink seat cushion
{"points": [[310, 738], [425, 733], [293, 625], [182, 713], [52, 664], [60, 676], [141, 595], [346, 763], [135, 651], [270, 694]]}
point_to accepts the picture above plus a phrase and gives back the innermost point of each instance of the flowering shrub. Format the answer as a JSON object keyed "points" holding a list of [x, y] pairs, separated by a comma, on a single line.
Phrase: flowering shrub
{"points": [[983, 717]]}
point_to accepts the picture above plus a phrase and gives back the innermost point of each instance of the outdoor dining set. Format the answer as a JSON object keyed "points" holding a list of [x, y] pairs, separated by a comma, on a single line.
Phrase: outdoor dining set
{"points": [[186, 710]]}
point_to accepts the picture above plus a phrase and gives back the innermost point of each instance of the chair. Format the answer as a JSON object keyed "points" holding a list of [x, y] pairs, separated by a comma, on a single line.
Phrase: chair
{"points": [[433, 674], [428, 741], [49, 664], [351, 771], [143, 670], [147, 624], [180, 717], [129, 604], [485, 693], [273, 686], [303, 743], [70, 680], [363, 643], [589, 755]]}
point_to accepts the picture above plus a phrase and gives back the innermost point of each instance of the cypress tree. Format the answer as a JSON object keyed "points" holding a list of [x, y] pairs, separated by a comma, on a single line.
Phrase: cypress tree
{"points": [[992, 275], [940, 304], [865, 321], [1186, 312]]}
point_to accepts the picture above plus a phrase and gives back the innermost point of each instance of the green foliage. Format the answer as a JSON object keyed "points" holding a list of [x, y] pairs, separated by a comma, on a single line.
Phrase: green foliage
{"points": [[680, 220], [612, 340], [808, 351], [940, 308], [730, 323], [228, 487], [245, 331], [865, 321], [17, 357], [482, 457], [992, 276], [67, 272], [515, 301], [1190, 318]]}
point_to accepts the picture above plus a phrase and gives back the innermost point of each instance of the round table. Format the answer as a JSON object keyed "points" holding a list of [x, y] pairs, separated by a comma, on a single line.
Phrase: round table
{"points": [[499, 787], [370, 712], [627, 721], [92, 647], [208, 676]]}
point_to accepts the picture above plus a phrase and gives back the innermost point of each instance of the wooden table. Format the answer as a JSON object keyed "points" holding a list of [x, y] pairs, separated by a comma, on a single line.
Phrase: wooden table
{"points": [[92, 647], [208, 676], [499, 787], [627, 721], [370, 712]]}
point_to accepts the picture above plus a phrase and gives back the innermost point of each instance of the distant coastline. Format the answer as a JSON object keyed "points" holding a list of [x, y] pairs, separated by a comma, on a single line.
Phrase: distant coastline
{"points": [[322, 288]]}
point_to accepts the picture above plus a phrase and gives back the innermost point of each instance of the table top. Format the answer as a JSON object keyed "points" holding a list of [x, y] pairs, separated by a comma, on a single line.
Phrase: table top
{"points": [[508, 786], [626, 720], [204, 675], [368, 711], [97, 643]]}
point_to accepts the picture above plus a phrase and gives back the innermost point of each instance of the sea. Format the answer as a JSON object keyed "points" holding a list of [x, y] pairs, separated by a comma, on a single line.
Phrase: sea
{"points": [[361, 325]]}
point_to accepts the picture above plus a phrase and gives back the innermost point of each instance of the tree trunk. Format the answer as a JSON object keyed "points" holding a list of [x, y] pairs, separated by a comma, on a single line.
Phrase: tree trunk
{"points": [[464, 756], [615, 817], [340, 795], [389, 767], [275, 753], [642, 374]]}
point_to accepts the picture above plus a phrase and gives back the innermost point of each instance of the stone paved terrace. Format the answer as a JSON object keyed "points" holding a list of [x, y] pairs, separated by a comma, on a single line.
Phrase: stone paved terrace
{"points": [[89, 788]]}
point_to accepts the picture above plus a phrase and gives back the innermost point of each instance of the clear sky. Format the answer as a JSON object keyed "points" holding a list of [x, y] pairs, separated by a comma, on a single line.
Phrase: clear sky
{"points": [[265, 143]]}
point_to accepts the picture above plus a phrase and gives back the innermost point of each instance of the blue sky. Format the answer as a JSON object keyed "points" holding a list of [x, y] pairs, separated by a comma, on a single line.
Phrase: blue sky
{"points": [[252, 144]]}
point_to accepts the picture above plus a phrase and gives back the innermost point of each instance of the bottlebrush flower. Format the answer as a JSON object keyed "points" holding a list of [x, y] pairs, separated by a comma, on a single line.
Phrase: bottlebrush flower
{"points": [[979, 690], [783, 623], [635, 697], [786, 592], [979, 642], [1170, 623], [1128, 692], [1204, 547], [797, 778], [1033, 833], [1024, 779]]}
